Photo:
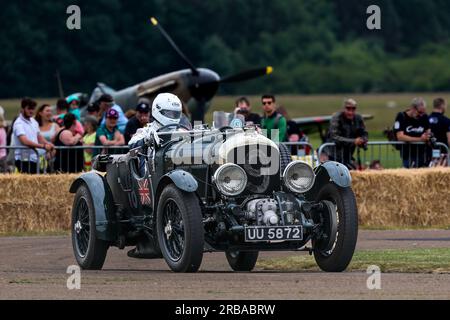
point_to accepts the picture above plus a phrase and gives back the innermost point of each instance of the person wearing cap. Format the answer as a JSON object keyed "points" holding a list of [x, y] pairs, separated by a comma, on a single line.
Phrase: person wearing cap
{"points": [[93, 110], [106, 102], [109, 134], [347, 131], [140, 119]]}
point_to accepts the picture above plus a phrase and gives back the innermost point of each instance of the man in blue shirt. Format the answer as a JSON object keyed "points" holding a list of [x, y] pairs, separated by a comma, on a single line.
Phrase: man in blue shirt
{"points": [[109, 134], [106, 102]]}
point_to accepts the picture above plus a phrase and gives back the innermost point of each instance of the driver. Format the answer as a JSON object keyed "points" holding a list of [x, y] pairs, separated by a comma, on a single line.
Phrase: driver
{"points": [[166, 110]]}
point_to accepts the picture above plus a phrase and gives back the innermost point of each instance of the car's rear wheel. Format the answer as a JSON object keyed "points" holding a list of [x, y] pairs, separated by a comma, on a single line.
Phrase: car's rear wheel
{"points": [[242, 260], [90, 252], [336, 256], [180, 229]]}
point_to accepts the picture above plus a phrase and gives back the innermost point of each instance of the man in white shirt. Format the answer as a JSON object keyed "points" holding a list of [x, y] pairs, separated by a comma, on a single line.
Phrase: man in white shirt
{"points": [[26, 134]]}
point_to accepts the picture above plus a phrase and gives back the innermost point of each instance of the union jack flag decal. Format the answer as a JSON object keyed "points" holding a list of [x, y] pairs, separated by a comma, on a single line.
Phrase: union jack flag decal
{"points": [[144, 192]]}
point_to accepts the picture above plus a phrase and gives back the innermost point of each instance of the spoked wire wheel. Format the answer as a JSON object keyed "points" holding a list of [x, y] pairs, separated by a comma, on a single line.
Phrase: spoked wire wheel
{"points": [[173, 230], [81, 227], [334, 253], [89, 250], [179, 226]]}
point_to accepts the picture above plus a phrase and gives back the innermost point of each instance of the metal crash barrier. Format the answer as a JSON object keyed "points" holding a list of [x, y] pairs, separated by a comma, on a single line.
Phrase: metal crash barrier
{"points": [[21, 159], [388, 154], [303, 151], [63, 159]]}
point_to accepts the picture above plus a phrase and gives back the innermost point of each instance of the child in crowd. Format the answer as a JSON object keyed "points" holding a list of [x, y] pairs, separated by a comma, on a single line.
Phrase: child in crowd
{"points": [[90, 129]]}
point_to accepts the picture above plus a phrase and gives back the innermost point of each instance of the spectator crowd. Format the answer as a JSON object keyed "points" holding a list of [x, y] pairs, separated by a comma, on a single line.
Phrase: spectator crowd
{"points": [[419, 133], [36, 131]]}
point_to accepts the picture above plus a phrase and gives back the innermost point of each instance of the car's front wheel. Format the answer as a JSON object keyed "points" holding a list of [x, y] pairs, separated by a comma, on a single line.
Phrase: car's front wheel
{"points": [[336, 256], [242, 260], [90, 252], [180, 229]]}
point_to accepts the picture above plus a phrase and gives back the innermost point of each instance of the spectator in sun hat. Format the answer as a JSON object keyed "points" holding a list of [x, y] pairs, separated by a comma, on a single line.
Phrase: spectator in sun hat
{"points": [[106, 102], [140, 119], [74, 105]]}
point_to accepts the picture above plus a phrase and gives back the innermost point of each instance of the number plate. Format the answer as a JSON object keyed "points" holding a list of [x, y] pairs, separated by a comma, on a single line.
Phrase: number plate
{"points": [[263, 233]]}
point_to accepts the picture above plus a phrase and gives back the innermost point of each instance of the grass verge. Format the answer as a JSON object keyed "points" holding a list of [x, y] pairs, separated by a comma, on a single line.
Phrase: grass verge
{"points": [[435, 260]]}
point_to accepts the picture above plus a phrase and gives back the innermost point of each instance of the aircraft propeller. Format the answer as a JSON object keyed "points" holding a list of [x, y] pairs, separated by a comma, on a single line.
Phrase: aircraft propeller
{"points": [[204, 83]]}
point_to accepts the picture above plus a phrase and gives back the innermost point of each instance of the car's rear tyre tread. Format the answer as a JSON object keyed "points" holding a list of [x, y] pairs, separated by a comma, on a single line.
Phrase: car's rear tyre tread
{"points": [[242, 261]]}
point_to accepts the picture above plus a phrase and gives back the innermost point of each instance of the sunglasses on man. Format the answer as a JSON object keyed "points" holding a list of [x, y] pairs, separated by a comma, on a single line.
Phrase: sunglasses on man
{"points": [[267, 103]]}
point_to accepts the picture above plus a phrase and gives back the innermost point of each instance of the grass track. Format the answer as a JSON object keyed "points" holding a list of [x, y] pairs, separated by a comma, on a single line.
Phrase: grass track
{"points": [[436, 260]]}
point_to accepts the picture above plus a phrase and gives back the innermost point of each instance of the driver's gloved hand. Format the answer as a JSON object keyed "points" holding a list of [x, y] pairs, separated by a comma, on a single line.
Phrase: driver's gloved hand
{"points": [[149, 141]]}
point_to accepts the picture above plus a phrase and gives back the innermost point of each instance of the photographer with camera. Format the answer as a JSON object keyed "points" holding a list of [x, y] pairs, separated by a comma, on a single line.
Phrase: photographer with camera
{"points": [[243, 107], [347, 131], [412, 125]]}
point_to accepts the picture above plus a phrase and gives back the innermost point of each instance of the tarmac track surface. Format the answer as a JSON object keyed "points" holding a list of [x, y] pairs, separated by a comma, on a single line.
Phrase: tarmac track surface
{"points": [[35, 268]]}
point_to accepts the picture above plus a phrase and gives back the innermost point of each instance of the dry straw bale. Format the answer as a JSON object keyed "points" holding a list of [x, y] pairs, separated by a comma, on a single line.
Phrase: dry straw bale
{"points": [[35, 203], [397, 198], [403, 198]]}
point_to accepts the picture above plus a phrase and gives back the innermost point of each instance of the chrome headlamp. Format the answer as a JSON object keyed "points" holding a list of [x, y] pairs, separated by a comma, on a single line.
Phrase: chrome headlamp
{"points": [[230, 179], [299, 177]]}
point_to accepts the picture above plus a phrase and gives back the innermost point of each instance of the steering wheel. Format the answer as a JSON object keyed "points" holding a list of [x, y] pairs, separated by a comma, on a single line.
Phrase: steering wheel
{"points": [[176, 125]]}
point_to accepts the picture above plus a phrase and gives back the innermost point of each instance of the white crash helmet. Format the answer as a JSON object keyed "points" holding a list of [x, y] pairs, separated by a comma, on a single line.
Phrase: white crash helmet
{"points": [[166, 109]]}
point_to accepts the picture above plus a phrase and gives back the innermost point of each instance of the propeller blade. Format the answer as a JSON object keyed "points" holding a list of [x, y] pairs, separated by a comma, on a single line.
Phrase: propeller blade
{"points": [[248, 74], [174, 46]]}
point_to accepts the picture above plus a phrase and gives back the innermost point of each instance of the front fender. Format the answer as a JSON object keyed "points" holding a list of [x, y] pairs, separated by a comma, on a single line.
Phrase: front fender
{"points": [[329, 171], [183, 180], [105, 221]]}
